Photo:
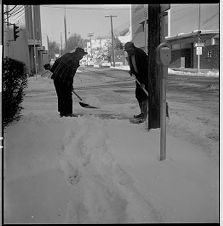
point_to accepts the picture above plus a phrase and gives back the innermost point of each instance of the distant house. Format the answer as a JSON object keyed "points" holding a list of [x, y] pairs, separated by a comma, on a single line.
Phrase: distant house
{"points": [[180, 25]]}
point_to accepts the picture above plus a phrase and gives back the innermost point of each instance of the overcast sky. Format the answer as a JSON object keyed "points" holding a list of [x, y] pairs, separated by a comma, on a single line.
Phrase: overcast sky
{"points": [[83, 19]]}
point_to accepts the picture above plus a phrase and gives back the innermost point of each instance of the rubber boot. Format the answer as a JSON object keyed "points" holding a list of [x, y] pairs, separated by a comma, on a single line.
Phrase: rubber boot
{"points": [[144, 110], [141, 114]]}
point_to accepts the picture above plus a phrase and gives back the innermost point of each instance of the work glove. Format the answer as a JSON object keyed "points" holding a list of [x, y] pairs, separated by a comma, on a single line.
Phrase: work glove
{"points": [[142, 86]]}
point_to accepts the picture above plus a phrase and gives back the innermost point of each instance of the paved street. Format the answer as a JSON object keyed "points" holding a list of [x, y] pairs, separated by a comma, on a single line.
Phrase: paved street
{"points": [[193, 103]]}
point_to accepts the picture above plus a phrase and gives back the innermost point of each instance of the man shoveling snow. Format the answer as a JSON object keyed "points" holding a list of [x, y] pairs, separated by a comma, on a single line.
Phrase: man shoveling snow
{"points": [[63, 71]]}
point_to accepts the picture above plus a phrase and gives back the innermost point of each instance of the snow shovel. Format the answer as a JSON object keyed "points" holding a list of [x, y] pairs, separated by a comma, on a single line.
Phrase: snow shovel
{"points": [[167, 111], [146, 92], [82, 103]]}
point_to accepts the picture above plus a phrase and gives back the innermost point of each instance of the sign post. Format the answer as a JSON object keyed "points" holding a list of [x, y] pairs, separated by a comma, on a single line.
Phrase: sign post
{"points": [[163, 58]]}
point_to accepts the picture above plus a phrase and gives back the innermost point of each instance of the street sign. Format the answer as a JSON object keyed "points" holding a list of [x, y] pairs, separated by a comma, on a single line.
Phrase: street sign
{"points": [[31, 42], [199, 50], [199, 44]]}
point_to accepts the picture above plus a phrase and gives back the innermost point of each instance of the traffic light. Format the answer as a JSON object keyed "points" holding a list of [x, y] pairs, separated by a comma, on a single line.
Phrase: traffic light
{"points": [[15, 31]]}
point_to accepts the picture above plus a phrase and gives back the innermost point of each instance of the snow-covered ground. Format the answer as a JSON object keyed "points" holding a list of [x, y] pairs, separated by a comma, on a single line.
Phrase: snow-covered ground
{"points": [[96, 170]]}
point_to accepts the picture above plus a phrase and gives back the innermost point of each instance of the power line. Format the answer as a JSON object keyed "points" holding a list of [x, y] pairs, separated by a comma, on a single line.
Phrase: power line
{"points": [[10, 9], [23, 13], [19, 11], [84, 8], [15, 12]]}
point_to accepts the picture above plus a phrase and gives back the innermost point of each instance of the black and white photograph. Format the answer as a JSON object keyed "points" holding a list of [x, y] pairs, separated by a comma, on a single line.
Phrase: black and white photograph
{"points": [[110, 113]]}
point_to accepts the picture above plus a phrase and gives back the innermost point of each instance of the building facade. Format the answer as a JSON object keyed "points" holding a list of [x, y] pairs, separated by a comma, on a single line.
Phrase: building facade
{"points": [[179, 26], [34, 34], [184, 50], [28, 46]]}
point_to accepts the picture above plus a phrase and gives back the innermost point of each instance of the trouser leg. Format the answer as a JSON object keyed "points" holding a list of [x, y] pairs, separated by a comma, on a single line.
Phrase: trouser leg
{"points": [[142, 100], [59, 93], [68, 103], [145, 108], [64, 96]]}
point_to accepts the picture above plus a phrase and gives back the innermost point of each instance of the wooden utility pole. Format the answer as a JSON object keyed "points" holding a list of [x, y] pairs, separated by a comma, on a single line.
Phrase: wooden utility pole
{"points": [[7, 29], [34, 39], [1, 60], [112, 39], [145, 25], [153, 70], [61, 51], [65, 27]]}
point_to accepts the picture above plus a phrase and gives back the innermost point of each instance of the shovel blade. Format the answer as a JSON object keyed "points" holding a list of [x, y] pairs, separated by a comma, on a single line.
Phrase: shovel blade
{"points": [[86, 105]]}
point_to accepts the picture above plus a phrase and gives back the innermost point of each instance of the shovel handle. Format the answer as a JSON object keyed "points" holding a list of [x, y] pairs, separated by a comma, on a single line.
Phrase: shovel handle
{"points": [[140, 85], [77, 95]]}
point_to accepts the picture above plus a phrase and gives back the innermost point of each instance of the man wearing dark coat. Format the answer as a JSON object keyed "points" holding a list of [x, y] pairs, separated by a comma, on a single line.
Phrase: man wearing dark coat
{"points": [[63, 71], [138, 63]]}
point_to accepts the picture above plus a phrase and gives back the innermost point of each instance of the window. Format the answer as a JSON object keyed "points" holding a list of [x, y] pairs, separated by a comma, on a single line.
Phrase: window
{"points": [[209, 54]]}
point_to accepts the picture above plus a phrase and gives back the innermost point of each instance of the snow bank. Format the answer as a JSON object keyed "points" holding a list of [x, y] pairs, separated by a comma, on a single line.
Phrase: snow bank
{"points": [[102, 192], [207, 74], [92, 169], [111, 171]]}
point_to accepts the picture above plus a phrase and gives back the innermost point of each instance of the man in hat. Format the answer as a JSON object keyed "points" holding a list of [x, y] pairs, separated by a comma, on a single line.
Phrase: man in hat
{"points": [[63, 71], [138, 62]]}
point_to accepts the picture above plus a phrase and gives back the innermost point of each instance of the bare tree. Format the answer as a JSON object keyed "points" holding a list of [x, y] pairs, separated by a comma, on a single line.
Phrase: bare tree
{"points": [[75, 41], [53, 49]]}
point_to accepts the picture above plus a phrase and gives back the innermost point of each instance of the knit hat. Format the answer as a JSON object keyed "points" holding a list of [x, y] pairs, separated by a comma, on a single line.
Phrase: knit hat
{"points": [[80, 50], [129, 45]]}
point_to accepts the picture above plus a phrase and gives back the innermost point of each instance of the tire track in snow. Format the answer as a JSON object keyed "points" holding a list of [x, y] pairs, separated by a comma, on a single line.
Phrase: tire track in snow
{"points": [[100, 190]]}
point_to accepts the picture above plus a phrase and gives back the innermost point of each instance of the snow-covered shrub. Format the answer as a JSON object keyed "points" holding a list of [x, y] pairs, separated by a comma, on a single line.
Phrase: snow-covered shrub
{"points": [[14, 81]]}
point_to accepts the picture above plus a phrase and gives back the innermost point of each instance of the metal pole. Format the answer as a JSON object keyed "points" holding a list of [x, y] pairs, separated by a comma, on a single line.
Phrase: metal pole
{"points": [[198, 56], [34, 40], [164, 70], [163, 58]]}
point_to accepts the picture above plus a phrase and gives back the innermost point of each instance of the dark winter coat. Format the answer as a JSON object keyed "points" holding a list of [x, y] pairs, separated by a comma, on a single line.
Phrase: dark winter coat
{"points": [[141, 59], [65, 68], [142, 65]]}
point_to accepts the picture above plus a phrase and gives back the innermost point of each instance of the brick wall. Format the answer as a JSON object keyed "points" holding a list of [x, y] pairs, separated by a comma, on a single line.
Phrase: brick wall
{"points": [[209, 58]]}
